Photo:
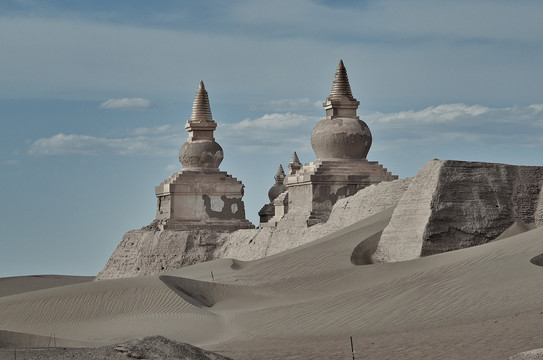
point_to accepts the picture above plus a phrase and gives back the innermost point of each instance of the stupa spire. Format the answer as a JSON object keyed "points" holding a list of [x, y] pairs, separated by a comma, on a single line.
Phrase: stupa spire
{"points": [[280, 175], [200, 151], [294, 164], [340, 102], [341, 86], [201, 125], [201, 111]]}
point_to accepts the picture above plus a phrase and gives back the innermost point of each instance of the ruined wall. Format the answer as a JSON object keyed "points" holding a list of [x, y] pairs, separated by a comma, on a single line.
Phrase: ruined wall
{"points": [[456, 204], [449, 205], [402, 238], [147, 251]]}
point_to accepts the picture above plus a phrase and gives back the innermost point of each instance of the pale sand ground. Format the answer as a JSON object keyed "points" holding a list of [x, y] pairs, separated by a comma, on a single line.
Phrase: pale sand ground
{"points": [[20, 284], [479, 303]]}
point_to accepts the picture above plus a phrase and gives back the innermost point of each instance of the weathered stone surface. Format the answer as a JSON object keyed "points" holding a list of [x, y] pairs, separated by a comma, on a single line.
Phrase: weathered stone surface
{"points": [[341, 142], [145, 252], [536, 354], [316, 187], [292, 230], [452, 205], [200, 196], [402, 237], [341, 134]]}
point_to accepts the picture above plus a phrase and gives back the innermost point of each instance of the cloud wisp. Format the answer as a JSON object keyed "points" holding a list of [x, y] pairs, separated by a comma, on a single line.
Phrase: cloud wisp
{"points": [[72, 144], [510, 126], [126, 104], [434, 114], [300, 105], [270, 133]]}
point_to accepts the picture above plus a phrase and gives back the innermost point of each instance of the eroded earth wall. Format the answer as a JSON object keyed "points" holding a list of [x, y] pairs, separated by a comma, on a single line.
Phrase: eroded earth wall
{"points": [[449, 205], [145, 252], [456, 204]]}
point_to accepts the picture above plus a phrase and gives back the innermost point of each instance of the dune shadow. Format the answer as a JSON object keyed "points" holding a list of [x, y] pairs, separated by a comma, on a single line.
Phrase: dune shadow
{"points": [[537, 260], [363, 252], [192, 291], [237, 264]]}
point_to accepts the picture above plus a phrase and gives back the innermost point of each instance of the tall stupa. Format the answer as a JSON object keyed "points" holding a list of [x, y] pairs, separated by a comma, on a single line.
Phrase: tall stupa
{"points": [[200, 195], [341, 142]]}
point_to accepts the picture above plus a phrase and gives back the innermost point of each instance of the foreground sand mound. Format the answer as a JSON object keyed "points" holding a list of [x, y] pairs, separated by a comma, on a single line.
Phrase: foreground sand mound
{"points": [[536, 354], [479, 303], [153, 347]]}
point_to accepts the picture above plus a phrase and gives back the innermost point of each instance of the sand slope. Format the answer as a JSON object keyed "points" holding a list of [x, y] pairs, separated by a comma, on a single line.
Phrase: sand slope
{"points": [[20, 284], [478, 303], [153, 347]]}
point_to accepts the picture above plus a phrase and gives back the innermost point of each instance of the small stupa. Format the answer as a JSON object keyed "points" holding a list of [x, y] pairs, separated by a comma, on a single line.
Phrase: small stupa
{"points": [[341, 142], [268, 211], [200, 195], [294, 164]]}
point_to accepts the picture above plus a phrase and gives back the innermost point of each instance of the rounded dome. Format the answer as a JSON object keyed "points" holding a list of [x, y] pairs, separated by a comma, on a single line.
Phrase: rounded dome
{"points": [[276, 190], [200, 154], [341, 138]]}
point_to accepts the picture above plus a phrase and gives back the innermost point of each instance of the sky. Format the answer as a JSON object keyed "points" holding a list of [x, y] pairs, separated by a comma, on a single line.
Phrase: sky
{"points": [[95, 96]]}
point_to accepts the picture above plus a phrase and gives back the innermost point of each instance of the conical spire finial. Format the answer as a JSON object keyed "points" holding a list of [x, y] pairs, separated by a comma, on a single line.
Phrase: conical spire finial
{"points": [[280, 175], [341, 86], [294, 164], [201, 111]]}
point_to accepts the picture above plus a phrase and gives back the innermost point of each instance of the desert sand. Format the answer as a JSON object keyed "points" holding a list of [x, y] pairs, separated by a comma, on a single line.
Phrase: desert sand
{"points": [[20, 284], [478, 303]]}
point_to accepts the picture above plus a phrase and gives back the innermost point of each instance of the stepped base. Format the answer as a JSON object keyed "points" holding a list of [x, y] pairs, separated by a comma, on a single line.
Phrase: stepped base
{"points": [[316, 187], [199, 200]]}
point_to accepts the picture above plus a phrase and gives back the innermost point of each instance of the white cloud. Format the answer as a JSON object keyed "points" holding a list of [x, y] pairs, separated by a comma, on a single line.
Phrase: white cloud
{"points": [[275, 121], [72, 144], [291, 105], [157, 130], [271, 133], [126, 103], [449, 123], [537, 108], [434, 114]]}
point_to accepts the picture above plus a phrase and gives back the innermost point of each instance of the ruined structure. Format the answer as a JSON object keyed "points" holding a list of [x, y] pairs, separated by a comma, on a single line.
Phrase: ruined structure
{"points": [[200, 195], [452, 205], [341, 142], [449, 205]]}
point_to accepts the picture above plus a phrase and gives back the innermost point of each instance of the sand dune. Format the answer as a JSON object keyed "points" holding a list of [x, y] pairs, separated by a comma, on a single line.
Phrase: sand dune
{"points": [[20, 284], [478, 303]]}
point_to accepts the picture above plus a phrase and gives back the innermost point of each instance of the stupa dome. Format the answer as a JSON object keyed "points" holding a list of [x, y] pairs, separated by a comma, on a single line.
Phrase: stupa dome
{"points": [[341, 134], [200, 155], [200, 151]]}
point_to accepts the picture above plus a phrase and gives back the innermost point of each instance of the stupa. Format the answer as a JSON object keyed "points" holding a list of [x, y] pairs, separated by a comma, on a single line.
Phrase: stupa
{"points": [[200, 195], [341, 142], [268, 210]]}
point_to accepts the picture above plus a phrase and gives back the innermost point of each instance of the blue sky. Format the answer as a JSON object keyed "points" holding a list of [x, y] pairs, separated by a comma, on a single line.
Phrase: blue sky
{"points": [[95, 96]]}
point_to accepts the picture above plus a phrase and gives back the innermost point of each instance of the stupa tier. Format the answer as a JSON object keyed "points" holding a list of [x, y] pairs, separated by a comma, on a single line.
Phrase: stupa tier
{"points": [[200, 195], [341, 142]]}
